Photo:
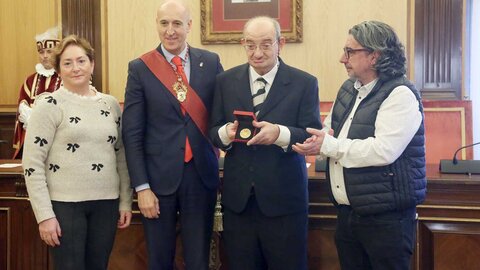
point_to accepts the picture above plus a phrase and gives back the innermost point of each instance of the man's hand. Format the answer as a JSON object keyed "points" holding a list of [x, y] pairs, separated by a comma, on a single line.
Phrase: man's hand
{"points": [[24, 114], [232, 130], [50, 231], [312, 145], [148, 203], [268, 133]]}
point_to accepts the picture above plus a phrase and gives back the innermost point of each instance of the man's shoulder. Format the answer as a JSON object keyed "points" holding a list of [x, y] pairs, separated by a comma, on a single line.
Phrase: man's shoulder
{"points": [[296, 72], [135, 61], [234, 71], [203, 52]]}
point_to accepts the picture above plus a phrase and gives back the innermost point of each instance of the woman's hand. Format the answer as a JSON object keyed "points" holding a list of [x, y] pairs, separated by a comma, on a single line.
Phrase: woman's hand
{"points": [[50, 231], [124, 219]]}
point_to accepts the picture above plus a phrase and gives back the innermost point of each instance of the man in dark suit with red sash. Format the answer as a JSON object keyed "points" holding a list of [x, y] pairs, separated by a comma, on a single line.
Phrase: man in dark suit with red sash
{"points": [[172, 164]]}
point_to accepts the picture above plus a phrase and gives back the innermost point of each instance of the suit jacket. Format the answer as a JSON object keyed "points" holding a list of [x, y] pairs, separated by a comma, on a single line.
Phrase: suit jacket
{"points": [[279, 178], [155, 129]]}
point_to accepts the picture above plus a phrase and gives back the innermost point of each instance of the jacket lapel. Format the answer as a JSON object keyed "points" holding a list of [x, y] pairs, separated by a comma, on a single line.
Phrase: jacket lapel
{"points": [[242, 89], [196, 67], [278, 91]]}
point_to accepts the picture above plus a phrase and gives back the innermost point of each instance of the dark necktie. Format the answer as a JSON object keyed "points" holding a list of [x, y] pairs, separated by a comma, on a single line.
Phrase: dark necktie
{"points": [[260, 94], [177, 61]]}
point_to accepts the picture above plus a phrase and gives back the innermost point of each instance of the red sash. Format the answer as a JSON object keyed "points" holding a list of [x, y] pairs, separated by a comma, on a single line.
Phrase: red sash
{"points": [[193, 104]]}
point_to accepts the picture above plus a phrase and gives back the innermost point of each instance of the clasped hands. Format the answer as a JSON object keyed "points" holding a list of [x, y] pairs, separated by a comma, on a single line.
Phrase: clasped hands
{"points": [[267, 135]]}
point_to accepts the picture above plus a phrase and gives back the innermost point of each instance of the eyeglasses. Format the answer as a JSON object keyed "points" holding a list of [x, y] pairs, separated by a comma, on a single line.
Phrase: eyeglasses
{"points": [[266, 46], [348, 51]]}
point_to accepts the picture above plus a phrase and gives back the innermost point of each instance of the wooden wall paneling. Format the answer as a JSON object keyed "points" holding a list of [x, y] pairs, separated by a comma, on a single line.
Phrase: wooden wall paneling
{"points": [[322, 216], [25, 250], [448, 126], [130, 250], [424, 256], [450, 246], [448, 236], [7, 126], [438, 48], [322, 252], [20, 21], [5, 234], [83, 18]]}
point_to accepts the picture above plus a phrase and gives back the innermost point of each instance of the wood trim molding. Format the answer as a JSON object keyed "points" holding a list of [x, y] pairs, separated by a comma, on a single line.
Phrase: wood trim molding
{"points": [[437, 72], [83, 18], [9, 234]]}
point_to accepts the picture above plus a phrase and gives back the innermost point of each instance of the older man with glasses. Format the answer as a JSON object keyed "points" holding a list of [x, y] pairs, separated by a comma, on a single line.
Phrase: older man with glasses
{"points": [[375, 147], [265, 193]]}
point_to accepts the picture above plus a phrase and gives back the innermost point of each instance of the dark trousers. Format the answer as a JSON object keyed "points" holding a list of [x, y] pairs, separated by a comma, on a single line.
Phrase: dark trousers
{"points": [[379, 242], [254, 241], [193, 203], [88, 231]]}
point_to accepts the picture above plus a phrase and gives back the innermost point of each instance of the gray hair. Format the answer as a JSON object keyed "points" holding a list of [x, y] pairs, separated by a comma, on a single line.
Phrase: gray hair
{"points": [[380, 37], [274, 22]]}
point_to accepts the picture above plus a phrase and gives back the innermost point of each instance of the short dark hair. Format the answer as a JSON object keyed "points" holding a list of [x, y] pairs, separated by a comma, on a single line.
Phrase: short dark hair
{"points": [[71, 40], [380, 37]]}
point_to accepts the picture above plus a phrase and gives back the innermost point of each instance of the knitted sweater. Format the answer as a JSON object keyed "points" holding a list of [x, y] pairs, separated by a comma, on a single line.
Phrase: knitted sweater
{"points": [[74, 152]]}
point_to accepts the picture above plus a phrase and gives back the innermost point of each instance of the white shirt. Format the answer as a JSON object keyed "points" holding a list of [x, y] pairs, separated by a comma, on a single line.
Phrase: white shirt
{"points": [[398, 120], [183, 55], [283, 139]]}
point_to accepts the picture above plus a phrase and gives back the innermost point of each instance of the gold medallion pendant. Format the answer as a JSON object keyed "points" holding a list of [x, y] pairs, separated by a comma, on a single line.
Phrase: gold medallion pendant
{"points": [[181, 90], [245, 133]]}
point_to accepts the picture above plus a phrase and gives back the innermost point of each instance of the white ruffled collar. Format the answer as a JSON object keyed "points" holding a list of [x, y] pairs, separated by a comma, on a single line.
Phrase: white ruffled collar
{"points": [[73, 94], [44, 72]]}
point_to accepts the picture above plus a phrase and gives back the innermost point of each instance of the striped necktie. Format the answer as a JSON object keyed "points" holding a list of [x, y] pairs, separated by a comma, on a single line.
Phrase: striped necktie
{"points": [[260, 94]]}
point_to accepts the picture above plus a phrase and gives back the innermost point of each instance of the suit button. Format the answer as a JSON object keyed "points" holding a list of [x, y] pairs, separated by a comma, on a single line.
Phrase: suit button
{"points": [[182, 148], [251, 168]]}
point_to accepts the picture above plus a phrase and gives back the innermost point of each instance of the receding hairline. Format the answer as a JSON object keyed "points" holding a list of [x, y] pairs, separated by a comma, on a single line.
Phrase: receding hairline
{"points": [[180, 3], [257, 20]]}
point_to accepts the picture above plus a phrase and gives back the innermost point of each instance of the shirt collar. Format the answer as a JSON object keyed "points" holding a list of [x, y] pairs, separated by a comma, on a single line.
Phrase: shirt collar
{"points": [[269, 76], [169, 55], [365, 89]]}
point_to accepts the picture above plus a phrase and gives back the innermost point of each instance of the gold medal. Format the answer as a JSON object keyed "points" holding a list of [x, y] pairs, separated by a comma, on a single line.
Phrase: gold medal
{"points": [[181, 90], [245, 133]]}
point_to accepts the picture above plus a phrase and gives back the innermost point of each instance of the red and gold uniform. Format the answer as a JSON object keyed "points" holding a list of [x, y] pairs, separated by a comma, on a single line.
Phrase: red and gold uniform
{"points": [[44, 80], [33, 86]]}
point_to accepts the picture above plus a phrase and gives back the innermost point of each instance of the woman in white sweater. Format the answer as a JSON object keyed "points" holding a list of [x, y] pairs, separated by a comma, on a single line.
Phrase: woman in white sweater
{"points": [[74, 164]]}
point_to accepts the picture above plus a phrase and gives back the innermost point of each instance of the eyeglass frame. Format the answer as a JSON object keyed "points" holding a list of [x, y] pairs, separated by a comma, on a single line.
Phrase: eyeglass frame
{"points": [[347, 51], [258, 46]]}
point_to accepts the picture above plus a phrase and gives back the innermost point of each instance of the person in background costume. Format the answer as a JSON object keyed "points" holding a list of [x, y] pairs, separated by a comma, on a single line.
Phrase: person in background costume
{"points": [[45, 79]]}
